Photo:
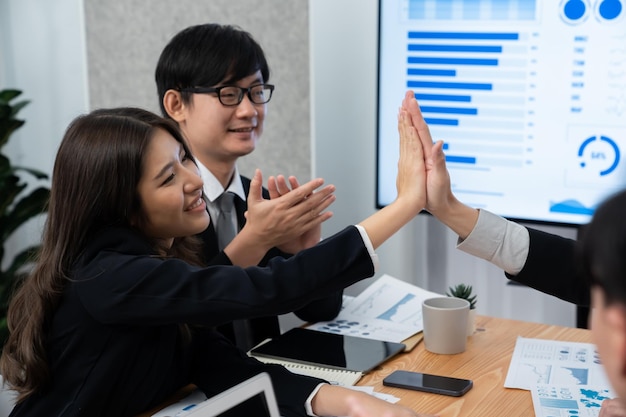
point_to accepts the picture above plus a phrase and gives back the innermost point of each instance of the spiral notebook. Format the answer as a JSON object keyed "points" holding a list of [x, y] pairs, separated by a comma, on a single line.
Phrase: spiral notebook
{"points": [[341, 377], [337, 358]]}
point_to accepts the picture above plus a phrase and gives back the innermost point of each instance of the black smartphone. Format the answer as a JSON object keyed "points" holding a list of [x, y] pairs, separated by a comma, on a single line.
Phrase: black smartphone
{"points": [[429, 383]]}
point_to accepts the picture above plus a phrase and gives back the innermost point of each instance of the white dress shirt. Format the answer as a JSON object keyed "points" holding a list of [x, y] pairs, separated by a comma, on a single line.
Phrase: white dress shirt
{"points": [[499, 241]]}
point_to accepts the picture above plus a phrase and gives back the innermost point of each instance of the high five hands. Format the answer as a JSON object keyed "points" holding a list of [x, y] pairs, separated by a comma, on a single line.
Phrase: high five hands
{"points": [[438, 188]]}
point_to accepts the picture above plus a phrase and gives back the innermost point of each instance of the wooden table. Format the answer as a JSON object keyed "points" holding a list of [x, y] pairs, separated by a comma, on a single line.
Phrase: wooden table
{"points": [[485, 361]]}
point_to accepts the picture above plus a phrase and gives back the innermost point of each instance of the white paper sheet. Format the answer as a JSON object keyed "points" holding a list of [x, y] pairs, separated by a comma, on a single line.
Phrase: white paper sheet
{"points": [[389, 309], [568, 400], [565, 378], [538, 361]]}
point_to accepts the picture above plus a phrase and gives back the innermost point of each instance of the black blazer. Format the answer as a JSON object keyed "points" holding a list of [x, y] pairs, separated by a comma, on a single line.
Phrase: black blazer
{"points": [[262, 328], [114, 344], [551, 268]]}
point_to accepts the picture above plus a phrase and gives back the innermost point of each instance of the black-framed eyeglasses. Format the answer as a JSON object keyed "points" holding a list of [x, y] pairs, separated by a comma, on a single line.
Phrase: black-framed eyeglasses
{"points": [[231, 95]]}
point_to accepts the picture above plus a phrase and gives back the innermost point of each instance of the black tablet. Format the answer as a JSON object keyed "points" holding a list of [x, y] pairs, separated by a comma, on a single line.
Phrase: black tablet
{"points": [[330, 350]]}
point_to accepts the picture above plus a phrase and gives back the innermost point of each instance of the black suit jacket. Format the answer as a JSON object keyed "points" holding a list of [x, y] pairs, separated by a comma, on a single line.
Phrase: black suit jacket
{"points": [[551, 268], [261, 328], [114, 344]]}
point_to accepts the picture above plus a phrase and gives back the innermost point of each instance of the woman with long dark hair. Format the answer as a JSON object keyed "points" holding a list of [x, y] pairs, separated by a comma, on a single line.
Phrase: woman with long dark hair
{"points": [[118, 313]]}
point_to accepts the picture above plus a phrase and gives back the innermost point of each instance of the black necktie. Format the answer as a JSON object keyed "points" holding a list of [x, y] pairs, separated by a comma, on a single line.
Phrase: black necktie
{"points": [[225, 228]]}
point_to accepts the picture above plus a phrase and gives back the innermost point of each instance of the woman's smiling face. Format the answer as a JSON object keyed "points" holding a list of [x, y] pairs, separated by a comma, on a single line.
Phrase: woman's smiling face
{"points": [[170, 191]]}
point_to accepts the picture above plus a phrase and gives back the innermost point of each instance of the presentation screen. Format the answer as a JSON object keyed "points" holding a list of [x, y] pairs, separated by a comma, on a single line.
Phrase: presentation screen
{"points": [[529, 97]]}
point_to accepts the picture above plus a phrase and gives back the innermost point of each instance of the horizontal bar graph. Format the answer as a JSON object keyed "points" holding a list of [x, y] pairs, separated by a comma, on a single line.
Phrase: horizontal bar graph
{"points": [[443, 122], [449, 85], [472, 90], [461, 159], [501, 36], [455, 48], [430, 71], [449, 110], [452, 61], [443, 97]]}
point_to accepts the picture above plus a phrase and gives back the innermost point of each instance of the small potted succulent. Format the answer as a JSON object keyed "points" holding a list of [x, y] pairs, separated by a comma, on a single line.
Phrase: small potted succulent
{"points": [[465, 292]]}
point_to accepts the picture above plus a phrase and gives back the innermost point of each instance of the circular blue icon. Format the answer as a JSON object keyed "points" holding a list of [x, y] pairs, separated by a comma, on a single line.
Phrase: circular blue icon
{"points": [[595, 152], [574, 12], [608, 10]]}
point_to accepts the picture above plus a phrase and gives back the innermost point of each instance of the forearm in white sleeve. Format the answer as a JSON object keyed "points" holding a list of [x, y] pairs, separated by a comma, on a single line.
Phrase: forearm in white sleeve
{"points": [[368, 245], [499, 241]]}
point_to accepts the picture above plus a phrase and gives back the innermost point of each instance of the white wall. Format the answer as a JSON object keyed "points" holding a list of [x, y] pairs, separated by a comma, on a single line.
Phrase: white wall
{"points": [[343, 92], [42, 53]]}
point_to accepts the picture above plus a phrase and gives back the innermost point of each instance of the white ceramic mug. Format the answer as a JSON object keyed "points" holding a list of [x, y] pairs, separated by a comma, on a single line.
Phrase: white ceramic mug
{"points": [[445, 324]]}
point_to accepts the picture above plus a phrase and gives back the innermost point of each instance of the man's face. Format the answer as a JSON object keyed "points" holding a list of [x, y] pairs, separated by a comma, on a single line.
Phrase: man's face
{"points": [[218, 133]]}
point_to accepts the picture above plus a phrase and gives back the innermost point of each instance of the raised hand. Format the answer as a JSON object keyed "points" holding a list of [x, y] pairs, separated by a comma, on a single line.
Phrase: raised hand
{"points": [[410, 184], [440, 201], [277, 187], [438, 186], [280, 220]]}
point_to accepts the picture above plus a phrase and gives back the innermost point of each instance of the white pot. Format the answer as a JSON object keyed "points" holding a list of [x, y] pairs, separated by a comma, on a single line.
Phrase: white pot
{"points": [[471, 322]]}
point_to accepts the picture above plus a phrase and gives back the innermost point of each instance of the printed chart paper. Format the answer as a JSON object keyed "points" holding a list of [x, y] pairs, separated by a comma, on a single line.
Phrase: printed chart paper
{"points": [[389, 309], [537, 361], [566, 379], [568, 400]]}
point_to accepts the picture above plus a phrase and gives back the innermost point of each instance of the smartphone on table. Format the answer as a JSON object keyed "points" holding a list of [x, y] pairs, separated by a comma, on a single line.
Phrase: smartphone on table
{"points": [[436, 384]]}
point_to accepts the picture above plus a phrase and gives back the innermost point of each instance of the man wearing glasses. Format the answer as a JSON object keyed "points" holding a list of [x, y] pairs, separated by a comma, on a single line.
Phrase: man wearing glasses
{"points": [[213, 81]]}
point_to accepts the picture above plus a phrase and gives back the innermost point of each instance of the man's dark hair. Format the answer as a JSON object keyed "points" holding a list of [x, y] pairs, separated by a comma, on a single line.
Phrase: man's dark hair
{"points": [[205, 55]]}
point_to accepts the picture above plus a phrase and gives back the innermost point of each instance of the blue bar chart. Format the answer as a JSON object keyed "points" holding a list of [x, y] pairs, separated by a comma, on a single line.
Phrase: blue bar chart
{"points": [[472, 82]]}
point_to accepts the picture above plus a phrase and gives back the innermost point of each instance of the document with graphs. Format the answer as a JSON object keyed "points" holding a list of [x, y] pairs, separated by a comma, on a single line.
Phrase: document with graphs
{"points": [[389, 309], [564, 378], [569, 400], [554, 362]]}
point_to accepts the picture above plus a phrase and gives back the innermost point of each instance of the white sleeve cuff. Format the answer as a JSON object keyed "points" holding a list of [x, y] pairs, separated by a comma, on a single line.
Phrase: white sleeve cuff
{"points": [[499, 241], [369, 246], [307, 404]]}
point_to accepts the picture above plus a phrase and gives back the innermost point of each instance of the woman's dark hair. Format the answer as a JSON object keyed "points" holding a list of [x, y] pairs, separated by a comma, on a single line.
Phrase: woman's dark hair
{"points": [[206, 55], [94, 185], [602, 248]]}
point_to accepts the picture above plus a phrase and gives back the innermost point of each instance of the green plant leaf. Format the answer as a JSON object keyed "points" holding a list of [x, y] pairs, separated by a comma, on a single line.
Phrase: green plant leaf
{"points": [[30, 206], [5, 166], [15, 209], [8, 95], [40, 175], [7, 127], [10, 188], [8, 111], [19, 106]]}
